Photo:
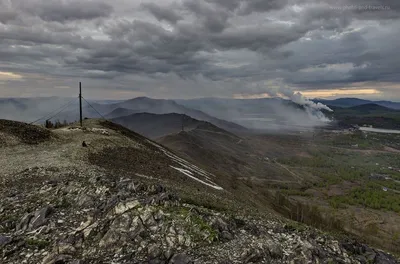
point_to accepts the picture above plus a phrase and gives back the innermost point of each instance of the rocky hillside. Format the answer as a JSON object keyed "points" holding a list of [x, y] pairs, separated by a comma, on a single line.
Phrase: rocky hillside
{"points": [[238, 158], [126, 199]]}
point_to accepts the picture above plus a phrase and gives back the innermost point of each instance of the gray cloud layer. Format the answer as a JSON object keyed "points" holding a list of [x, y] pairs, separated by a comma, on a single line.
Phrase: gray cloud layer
{"points": [[197, 48]]}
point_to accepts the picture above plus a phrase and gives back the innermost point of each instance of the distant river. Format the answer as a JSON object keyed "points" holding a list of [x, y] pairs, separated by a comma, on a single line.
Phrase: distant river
{"points": [[380, 130]]}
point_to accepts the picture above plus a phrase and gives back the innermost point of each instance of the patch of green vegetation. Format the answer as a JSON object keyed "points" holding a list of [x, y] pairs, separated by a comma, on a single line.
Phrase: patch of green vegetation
{"points": [[206, 202], [356, 138], [7, 222], [293, 192], [371, 196], [37, 243], [63, 203], [334, 166], [315, 161], [204, 227], [337, 204], [390, 184], [396, 237], [291, 226], [200, 228]]}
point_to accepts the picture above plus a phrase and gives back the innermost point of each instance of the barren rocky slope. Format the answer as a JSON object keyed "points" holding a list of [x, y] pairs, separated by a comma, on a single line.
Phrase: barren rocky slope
{"points": [[125, 199]]}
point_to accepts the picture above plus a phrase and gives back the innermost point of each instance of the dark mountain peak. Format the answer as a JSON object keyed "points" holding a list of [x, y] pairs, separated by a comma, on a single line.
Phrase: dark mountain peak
{"points": [[144, 103], [343, 102], [148, 100], [157, 125]]}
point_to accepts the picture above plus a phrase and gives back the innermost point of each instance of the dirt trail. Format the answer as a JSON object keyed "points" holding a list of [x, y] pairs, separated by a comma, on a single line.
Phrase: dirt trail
{"points": [[300, 179], [389, 149]]}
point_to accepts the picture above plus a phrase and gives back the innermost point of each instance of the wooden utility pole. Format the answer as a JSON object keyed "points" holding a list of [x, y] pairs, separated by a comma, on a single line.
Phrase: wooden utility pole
{"points": [[80, 102]]}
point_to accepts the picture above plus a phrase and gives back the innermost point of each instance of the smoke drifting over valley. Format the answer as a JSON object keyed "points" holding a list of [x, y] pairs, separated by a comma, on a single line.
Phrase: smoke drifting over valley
{"points": [[312, 109], [283, 110], [266, 114]]}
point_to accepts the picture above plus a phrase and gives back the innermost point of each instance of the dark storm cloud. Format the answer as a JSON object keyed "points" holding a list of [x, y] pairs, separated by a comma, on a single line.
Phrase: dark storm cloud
{"points": [[230, 5], [162, 13], [7, 15], [39, 35], [213, 18], [233, 43], [260, 6], [59, 10], [323, 17]]}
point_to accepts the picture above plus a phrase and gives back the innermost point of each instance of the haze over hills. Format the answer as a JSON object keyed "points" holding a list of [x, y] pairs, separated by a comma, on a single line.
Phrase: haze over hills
{"points": [[260, 114], [30, 109], [154, 126], [275, 114], [234, 115], [162, 106]]}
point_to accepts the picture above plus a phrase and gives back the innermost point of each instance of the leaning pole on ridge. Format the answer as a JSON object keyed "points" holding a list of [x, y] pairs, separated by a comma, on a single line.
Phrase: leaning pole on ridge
{"points": [[80, 103]]}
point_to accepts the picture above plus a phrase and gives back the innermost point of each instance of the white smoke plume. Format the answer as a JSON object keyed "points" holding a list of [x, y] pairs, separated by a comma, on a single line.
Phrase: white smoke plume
{"points": [[313, 109], [298, 98]]}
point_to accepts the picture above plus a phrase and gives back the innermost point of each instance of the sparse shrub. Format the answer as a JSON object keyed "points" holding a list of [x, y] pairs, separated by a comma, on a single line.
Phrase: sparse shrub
{"points": [[37, 243], [305, 213], [371, 196], [57, 124]]}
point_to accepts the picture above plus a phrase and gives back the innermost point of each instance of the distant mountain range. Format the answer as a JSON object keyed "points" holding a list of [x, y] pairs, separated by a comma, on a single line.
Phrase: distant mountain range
{"points": [[234, 115], [350, 102]]}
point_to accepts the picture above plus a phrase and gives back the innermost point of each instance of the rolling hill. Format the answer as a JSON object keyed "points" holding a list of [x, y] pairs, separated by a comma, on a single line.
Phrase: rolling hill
{"points": [[155, 126], [351, 102], [120, 112], [214, 148], [371, 108], [238, 158], [161, 106]]}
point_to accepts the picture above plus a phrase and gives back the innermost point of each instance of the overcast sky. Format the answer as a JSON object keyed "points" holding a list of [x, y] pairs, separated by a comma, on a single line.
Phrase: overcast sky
{"points": [[199, 48]]}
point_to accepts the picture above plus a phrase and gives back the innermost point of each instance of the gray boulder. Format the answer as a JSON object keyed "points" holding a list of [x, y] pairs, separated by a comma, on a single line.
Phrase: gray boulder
{"points": [[35, 220]]}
